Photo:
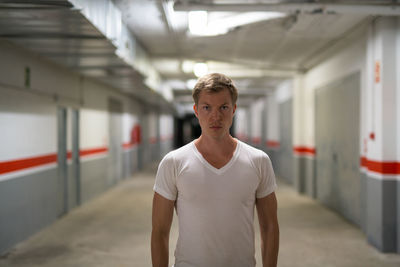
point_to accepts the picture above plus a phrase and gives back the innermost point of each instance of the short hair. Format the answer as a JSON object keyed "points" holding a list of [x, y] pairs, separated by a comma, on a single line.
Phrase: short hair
{"points": [[214, 83]]}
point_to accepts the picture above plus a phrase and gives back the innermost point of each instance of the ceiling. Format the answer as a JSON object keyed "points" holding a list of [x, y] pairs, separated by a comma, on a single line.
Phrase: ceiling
{"points": [[58, 32], [258, 55]]}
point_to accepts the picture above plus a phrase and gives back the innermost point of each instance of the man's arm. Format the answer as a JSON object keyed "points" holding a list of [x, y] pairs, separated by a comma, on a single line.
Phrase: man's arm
{"points": [[269, 229], [163, 210]]}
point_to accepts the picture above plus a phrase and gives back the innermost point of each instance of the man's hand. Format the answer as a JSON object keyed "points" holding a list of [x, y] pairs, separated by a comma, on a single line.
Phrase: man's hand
{"points": [[269, 229], [163, 211]]}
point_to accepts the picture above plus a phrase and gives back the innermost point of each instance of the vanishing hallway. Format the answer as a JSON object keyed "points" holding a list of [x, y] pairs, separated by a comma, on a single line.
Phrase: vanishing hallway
{"points": [[114, 230]]}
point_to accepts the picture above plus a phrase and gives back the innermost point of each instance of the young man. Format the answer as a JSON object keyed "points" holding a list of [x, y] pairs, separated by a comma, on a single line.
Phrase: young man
{"points": [[214, 183]]}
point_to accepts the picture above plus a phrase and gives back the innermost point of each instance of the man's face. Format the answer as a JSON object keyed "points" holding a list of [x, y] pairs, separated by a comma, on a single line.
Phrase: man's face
{"points": [[215, 113]]}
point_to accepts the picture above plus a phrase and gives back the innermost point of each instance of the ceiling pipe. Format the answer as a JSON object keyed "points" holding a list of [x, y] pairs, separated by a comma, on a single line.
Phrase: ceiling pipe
{"points": [[326, 8]]}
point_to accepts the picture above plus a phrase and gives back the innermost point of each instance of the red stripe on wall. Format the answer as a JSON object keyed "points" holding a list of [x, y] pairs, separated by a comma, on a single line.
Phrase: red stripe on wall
{"points": [[242, 137], [256, 140], [93, 151], [166, 138], [383, 167], [303, 150], [271, 143], [20, 164], [129, 145]]}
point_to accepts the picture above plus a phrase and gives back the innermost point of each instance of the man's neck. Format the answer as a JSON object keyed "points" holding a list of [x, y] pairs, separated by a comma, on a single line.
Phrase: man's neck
{"points": [[209, 144]]}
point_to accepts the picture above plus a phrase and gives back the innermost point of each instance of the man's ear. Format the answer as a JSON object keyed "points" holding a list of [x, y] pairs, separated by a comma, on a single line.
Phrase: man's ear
{"points": [[234, 109], [195, 110]]}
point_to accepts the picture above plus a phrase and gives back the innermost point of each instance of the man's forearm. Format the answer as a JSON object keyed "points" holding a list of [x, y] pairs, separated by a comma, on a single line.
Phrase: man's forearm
{"points": [[270, 246], [159, 250]]}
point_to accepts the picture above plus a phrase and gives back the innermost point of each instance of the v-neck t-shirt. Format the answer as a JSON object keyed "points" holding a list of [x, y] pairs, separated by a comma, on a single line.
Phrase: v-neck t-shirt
{"points": [[215, 207]]}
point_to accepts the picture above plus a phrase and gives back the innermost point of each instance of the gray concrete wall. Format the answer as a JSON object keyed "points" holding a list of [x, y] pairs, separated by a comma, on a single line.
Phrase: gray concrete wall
{"points": [[95, 178], [130, 162], [304, 175], [27, 204], [166, 146], [337, 133], [363, 199], [283, 157], [72, 187], [398, 215], [154, 151], [381, 213]]}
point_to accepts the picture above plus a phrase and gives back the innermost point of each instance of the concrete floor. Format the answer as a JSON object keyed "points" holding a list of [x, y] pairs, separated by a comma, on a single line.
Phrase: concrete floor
{"points": [[114, 230]]}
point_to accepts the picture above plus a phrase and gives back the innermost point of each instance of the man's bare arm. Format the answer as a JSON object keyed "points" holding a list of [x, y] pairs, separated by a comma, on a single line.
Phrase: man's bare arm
{"points": [[269, 229], [163, 210]]}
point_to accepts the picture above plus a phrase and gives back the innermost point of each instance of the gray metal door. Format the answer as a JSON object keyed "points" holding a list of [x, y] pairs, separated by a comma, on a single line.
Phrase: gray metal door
{"points": [[74, 190], [69, 190], [62, 166], [115, 145], [337, 143], [285, 153]]}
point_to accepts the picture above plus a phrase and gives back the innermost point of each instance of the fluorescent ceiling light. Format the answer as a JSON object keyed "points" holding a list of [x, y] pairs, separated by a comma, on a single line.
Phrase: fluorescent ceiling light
{"points": [[201, 24], [188, 66], [191, 83], [243, 19], [200, 69], [198, 21]]}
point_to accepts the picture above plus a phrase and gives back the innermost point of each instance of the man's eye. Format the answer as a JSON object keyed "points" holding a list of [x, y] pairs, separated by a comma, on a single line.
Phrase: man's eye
{"points": [[206, 107], [224, 107]]}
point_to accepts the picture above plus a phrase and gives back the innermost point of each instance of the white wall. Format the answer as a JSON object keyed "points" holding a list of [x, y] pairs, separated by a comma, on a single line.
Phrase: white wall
{"points": [[28, 126], [380, 133], [241, 129], [398, 93], [28, 116], [166, 127], [345, 62], [273, 133], [256, 110]]}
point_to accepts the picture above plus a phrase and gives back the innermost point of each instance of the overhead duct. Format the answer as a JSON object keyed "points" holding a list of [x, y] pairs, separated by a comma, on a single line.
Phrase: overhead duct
{"points": [[87, 37], [386, 8]]}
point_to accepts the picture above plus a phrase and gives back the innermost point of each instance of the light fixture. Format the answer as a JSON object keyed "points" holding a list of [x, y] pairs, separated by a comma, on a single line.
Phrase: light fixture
{"points": [[187, 66], [191, 83], [202, 23], [198, 22], [200, 69]]}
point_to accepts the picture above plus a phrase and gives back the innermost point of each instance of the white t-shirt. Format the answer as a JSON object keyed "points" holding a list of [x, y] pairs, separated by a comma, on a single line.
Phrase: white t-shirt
{"points": [[215, 207]]}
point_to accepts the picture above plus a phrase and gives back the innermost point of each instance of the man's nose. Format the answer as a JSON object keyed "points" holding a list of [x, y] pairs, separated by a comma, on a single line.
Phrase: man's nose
{"points": [[216, 114]]}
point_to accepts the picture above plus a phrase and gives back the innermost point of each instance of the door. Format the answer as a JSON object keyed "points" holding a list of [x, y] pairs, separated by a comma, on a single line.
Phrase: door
{"points": [[115, 144], [68, 160], [74, 170], [62, 161], [337, 143]]}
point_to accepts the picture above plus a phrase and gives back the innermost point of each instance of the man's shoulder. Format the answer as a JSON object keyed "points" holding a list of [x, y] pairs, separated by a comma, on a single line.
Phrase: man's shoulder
{"points": [[255, 155], [251, 150], [180, 153]]}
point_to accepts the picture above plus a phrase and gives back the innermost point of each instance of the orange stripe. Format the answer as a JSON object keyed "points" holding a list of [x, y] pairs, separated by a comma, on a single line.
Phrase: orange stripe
{"points": [[93, 151], [303, 150], [272, 143], [153, 140], [20, 164], [127, 145], [383, 167], [257, 140]]}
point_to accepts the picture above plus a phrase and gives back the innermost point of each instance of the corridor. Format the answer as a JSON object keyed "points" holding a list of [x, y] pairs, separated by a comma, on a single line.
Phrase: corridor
{"points": [[114, 229]]}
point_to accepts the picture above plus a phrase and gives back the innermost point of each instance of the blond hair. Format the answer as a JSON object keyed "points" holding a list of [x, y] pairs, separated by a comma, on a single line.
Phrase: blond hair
{"points": [[213, 83]]}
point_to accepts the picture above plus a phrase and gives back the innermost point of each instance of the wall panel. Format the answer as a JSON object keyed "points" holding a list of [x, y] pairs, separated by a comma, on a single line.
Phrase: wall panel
{"points": [[337, 143]]}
